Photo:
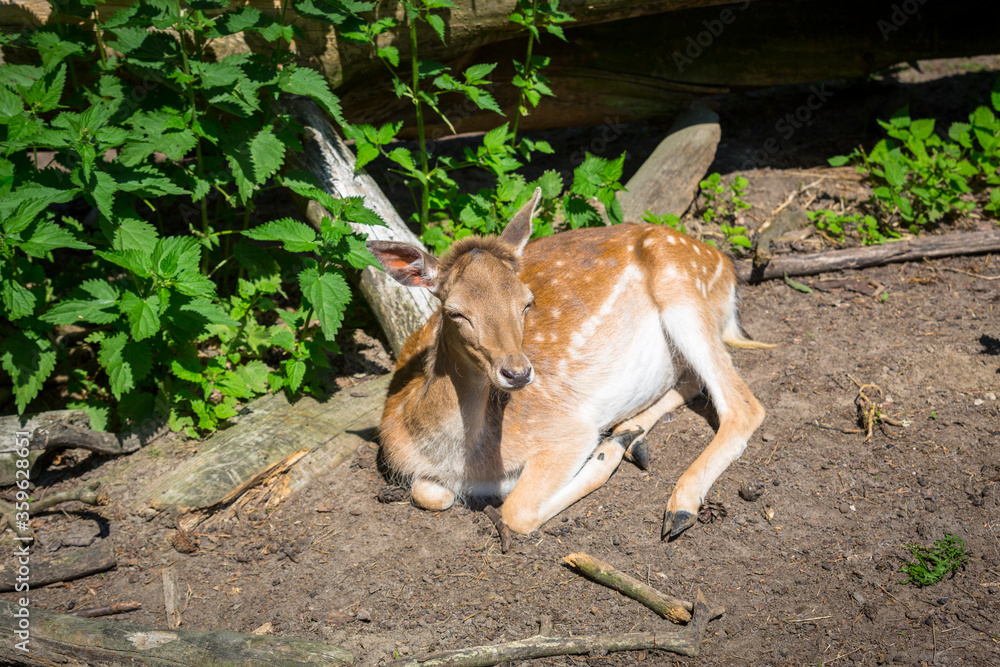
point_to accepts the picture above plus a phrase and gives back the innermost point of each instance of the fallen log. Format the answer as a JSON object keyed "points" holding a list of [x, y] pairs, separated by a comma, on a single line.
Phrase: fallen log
{"points": [[467, 26], [924, 247], [63, 639], [654, 66], [683, 642], [399, 310], [272, 431], [672, 609], [667, 182]]}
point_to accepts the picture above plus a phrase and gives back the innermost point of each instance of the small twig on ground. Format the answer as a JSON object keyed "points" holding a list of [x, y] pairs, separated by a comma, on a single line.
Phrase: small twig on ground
{"points": [[170, 597], [107, 610], [684, 642], [970, 273], [505, 537], [672, 609]]}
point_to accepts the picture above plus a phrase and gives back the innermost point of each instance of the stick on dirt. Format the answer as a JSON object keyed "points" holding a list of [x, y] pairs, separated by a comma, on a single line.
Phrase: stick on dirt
{"points": [[107, 610], [170, 597], [686, 641], [505, 537], [672, 609]]}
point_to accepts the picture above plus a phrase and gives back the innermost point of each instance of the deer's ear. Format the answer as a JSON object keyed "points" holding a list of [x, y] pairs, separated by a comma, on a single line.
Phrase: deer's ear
{"points": [[518, 230], [407, 264]]}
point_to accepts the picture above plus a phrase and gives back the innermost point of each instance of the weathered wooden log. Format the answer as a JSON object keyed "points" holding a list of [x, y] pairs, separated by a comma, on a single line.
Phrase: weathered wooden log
{"points": [[67, 564], [948, 245], [67, 640], [271, 431], [667, 182], [468, 26], [399, 310], [656, 66]]}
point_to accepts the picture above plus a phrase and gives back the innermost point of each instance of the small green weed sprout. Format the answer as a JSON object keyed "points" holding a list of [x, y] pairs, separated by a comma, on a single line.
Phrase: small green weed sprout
{"points": [[667, 220], [933, 564], [722, 202]]}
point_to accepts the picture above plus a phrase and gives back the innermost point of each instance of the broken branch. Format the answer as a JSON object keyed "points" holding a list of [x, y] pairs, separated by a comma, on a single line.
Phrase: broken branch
{"points": [[684, 642], [505, 537], [672, 609], [947, 245]]}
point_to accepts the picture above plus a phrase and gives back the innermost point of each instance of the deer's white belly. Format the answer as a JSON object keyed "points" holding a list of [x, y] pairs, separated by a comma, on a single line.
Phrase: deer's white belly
{"points": [[634, 369]]}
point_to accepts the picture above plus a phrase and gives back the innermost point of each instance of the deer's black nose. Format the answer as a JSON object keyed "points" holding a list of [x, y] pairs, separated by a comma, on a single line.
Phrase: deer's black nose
{"points": [[517, 377]]}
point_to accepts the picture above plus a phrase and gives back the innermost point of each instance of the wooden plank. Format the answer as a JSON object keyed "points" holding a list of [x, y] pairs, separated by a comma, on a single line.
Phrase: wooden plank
{"points": [[667, 182], [399, 310], [272, 430], [68, 640]]}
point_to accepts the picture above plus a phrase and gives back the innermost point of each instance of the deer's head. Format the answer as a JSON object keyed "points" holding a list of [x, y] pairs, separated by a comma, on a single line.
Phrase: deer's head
{"points": [[484, 304]]}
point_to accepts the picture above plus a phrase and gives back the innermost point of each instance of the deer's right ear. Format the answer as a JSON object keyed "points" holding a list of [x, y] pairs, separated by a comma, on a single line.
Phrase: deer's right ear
{"points": [[408, 264], [518, 230]]}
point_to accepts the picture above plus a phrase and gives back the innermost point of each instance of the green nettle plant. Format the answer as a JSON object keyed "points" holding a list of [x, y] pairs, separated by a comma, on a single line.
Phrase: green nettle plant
{"points": [[722, 203], [921, 178], [130, 162], [444, 212]]}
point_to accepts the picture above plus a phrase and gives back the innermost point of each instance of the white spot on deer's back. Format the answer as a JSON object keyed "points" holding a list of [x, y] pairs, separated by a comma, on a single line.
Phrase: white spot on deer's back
{"points": [[694, 264], [581, 336], [671, 239], [715, 276], [697, 250], [559, 262], [647, 242]]}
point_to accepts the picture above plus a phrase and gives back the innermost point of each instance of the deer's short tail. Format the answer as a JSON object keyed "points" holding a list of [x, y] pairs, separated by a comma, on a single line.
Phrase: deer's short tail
{"points": [[736, 336]]}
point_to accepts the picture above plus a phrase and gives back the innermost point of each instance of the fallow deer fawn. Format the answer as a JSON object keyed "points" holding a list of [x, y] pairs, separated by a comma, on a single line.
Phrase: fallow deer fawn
{"points": [[539, 348]]}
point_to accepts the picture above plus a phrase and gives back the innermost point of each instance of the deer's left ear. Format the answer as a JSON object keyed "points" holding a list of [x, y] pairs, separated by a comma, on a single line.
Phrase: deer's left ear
{"points": [[408, 264], [518, 230]]}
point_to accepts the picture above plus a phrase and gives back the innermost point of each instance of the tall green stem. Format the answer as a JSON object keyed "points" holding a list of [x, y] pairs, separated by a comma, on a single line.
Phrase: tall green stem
{"points": [[526, 73], [424, 184]]}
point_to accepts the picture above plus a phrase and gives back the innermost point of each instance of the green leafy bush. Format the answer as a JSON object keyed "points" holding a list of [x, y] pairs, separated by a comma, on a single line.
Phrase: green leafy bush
{"points": [[130, 161], [722, 203], [920, 177]]}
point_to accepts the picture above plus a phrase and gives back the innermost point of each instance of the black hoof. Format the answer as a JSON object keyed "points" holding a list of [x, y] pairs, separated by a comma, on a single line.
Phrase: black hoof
{"points": [[638, 454], [626, 438], [675, 524]]}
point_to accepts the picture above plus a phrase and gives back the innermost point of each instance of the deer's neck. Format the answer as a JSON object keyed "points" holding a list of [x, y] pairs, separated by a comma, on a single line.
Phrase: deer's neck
{"points": [[461, 396]]}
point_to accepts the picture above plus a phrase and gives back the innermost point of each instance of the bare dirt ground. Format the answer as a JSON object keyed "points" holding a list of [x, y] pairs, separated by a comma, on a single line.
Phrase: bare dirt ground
{"points": [[808, 571]]}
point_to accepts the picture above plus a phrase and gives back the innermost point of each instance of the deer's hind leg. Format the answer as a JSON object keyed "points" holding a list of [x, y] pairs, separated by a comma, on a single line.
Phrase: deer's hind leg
{"points": [[561, 474], [638, 453], [695, 336]]}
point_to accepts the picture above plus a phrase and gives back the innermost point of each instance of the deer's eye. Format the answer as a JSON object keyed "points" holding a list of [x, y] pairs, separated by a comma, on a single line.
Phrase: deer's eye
{"points": [[456, 316]]}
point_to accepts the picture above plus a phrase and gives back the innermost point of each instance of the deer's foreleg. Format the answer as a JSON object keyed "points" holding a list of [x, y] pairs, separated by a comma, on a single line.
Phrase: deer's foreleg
{"points": [[553, 481]]}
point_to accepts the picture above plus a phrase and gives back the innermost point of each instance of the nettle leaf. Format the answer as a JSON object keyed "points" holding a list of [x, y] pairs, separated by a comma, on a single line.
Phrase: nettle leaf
{"points": [[94, 310], [267, 152], [111, 358], [11, 105], [133, 234], [477, 73], [579, 212], [437, 23], [551, 183], [174, 255], [29, 360], [45, 93], [294, 235], [48, 236], [329, 294], [305, 81], [922, 128], [357, 254], [18, 300], [143, 314], [53, 49], [355, 211], [131, 260], [391, 54], [295, 371]]}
